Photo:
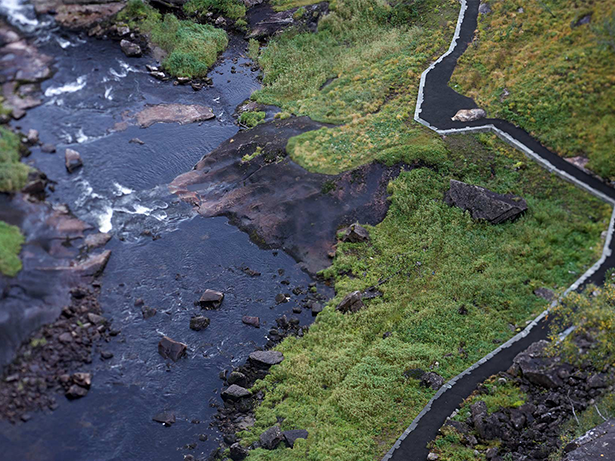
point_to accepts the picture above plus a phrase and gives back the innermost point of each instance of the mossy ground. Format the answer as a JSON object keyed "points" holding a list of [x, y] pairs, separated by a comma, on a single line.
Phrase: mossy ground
{"points": [[232, 9], [10, 246], [344, 380], [560, 79], [191, 48]]}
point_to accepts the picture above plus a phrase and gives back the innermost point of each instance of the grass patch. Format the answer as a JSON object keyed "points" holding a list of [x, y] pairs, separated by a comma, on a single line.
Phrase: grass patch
{"points": [[232, 9], [191, 48], [10, 246], [13, 173], [560, 79], [252, 118]]}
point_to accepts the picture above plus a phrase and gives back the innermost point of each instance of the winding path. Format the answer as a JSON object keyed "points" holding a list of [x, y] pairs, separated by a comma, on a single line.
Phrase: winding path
{"points": [[437, 103]]}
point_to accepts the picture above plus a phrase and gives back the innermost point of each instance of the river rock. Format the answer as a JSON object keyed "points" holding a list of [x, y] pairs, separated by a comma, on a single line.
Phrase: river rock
{"points": [[170, 113], [65, 338], [199, 323], [48, 148], [96, 319], [484, 9], [237, 452], [290, 437], [97, 240], [469, 115], [266, 358], [130, 49], [235, 392], [165, 417], [94, 264], [351, 303], [316, 308], [82, 379], [32, 137], [76, 392], [170, 349], [238, 378], [252, 321], [211, 299], [72, 160], [485, 204], [355, 233], [271, 438]]}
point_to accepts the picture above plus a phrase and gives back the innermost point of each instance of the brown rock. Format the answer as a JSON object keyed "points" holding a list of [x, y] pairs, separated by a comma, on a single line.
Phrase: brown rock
{"points": [[252, 321], [211, 299], [72, 160], [351, 303], [171, 349]]}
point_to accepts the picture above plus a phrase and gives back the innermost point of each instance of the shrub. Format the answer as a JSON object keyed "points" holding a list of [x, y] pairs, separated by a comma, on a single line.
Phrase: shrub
{"points": [[251, 119], [10, 246]]}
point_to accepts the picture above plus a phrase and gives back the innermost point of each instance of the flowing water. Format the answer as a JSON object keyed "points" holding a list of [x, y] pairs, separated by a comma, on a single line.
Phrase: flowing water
{"points": [[122, 189]]}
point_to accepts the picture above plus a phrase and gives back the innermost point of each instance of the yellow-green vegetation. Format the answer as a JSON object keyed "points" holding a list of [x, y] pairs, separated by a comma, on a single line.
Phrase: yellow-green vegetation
{"points": [[344, 380], [281, 5], [191, 48], [232, 9], [371, 55], [536, 68], [13, 173], [252, 118], [10, 246]]}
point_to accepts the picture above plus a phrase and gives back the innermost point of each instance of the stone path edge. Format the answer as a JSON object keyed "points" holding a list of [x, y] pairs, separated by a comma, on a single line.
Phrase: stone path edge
{"points": [[606, 252]]}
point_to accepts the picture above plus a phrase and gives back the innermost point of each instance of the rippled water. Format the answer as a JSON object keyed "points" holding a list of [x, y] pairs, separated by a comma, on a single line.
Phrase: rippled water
{"points": [[122, 189]]}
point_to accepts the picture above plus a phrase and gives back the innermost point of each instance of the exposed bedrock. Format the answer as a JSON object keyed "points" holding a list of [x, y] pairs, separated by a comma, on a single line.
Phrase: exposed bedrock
{"points": [[279, 203]]}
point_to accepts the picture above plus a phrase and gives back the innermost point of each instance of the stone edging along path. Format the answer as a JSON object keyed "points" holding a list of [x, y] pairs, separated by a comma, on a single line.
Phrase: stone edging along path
{"points": [[436, 104]]}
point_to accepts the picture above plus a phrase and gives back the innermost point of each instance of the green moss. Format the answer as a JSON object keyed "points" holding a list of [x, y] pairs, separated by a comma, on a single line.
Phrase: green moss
{"points": [[252, 118], [10, 246], [232, 9], [560, 80], [191, 48], [13, 173]]}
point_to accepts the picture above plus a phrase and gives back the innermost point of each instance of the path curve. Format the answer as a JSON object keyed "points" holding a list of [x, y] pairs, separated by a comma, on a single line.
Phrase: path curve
{"points": [[436, 104]]}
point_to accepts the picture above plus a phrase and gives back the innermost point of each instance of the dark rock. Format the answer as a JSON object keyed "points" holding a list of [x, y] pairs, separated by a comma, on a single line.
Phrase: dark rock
{"points": [[582, 21], [76, 392], [148, 312], [94, 265], [96, 319], [238, 378], [266, 358], [479, 414], [271, 438], [237, 452], [414, 373], [106, 355], [351, 303], [484, 204], [48, 148], [199, 323], [276, 22], [316, 308], [537, 368], [252, 321], [170, 349], [290, 437], [433, 380], [596, 381], [281, 298], [130, 49], [82, 379], [165, 417], [72, 160], [355, 234], [235, 392], [136, 141], [517, 418], [65, 338], [211, 299]]}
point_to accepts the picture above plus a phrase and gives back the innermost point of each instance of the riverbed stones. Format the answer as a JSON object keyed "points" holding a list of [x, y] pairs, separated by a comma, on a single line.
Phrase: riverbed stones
{"points": [[32, 137], [271, 438], [82, 379], [211, 299], [171, 349], [72, 160], [469, 115], [165, 417], [484, 204], [130, 49], [352, 303], [355, 233], [76, 392], [48, 148], [235, 392], [199, 323], [94, 264], [266, 358], [252, 321], [290, 437]]}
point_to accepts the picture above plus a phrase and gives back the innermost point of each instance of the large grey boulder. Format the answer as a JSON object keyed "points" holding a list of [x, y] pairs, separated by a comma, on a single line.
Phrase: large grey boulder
{"points": [[596, 444], [130, 49], [271, 438], [266, 358], [171, 349], [211, 299], [483, 203], [72, 160]]}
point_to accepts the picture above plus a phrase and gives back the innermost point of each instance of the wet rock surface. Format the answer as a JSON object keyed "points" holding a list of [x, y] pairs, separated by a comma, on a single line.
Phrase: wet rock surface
{"points": [[172, 113], [171, 349], [276, 201], [485, 204]]}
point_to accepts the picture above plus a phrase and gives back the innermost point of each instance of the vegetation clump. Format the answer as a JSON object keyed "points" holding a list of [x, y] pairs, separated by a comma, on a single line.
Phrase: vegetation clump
{"points": [[10, 246], [252, 118], [232, 9], [13, 173], [548, 67], [191, 48]]}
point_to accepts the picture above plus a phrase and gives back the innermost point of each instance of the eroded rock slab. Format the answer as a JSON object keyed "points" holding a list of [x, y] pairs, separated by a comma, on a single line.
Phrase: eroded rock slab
{"points": [[276, 201], [596, 444], [173, 113]]}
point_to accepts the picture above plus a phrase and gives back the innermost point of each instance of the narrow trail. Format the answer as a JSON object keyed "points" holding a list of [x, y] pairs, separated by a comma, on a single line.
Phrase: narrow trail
{"points": [[437, 103]]}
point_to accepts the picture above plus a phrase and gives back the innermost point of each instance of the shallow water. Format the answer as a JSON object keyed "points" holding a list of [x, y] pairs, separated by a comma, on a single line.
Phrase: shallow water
{"points": [[122, 188]]}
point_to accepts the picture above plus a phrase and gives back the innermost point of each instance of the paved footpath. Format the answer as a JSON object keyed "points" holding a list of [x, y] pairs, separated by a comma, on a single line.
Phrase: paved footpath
{"points": [[436, 105]]}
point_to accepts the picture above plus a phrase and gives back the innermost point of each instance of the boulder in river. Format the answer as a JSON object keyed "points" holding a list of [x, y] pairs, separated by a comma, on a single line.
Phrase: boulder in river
{"points": [[432, 380], [72, 160], [352, 303], [485, 204], [198, 323], [48, 148], [211, 299], [235, 392], [97, 240], [32, 137], [266, 358], [94, 264], [355, 233], [271, 438], [236, 377], [82, 379], [171, 349], [76, 392], [252, 321], [165, 417], [469, 115], [130, 49], [169, 113]]}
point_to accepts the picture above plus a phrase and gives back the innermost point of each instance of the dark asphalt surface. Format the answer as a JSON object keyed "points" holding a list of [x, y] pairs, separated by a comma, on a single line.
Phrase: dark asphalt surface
{"points": [[439, 105]]}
